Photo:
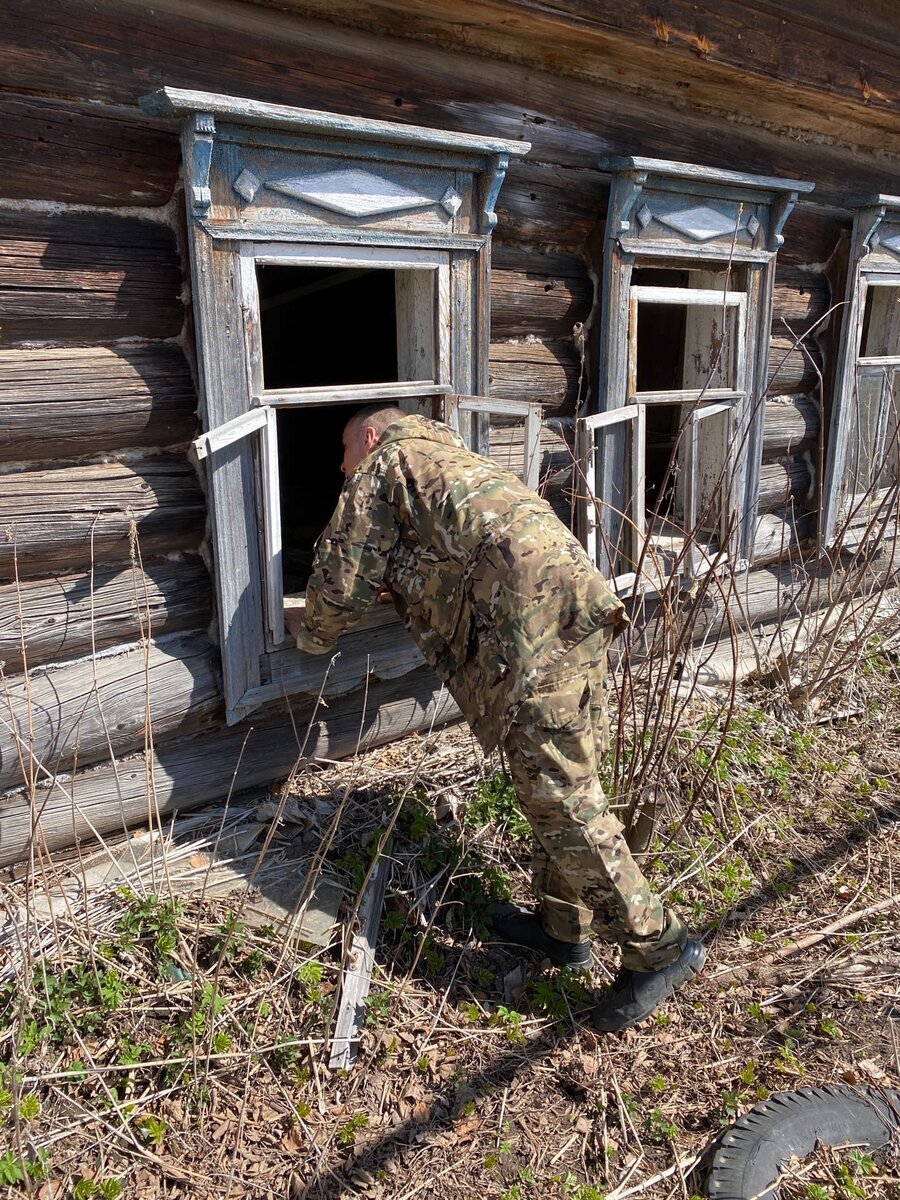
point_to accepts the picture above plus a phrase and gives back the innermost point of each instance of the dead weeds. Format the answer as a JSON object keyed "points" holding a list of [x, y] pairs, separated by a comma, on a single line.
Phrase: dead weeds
{"points": [[159, 1045]]}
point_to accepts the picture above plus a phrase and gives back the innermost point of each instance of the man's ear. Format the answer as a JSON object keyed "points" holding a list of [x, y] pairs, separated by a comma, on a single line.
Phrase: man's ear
{"points": [[370, 437]]}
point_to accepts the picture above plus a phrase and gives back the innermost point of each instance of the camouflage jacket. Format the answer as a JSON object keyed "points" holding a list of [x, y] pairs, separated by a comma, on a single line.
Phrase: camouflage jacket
{"points": [[494, 589]]}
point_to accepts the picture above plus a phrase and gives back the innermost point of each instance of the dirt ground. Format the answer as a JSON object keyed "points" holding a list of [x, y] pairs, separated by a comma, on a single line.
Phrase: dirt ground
{"points": [[163, 1047]]}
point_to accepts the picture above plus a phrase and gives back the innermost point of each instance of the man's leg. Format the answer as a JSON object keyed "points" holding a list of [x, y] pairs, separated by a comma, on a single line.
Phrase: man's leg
{"points": [[552, 757]]}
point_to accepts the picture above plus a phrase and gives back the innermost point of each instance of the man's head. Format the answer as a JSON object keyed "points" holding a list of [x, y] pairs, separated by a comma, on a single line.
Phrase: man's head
{"points": [[363, 430]]}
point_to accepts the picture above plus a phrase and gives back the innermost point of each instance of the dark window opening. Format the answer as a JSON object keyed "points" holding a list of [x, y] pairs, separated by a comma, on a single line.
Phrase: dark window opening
{"points": [[660, 476], [309, 465], [327, 326]]}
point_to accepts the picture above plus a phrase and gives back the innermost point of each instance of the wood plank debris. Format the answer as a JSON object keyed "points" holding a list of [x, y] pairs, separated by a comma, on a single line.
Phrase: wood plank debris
{"points": [[357, 974]]}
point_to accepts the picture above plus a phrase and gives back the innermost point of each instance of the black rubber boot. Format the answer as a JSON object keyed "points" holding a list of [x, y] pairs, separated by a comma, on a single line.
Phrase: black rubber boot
{"points": [[634, 995], [522, 928]]}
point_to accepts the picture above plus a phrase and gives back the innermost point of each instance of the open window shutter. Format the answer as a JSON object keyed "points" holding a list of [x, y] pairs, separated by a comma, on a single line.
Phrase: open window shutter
{"points": [[864, 456], [232, 486], [610, 452], [707, 491], [508, 431]]}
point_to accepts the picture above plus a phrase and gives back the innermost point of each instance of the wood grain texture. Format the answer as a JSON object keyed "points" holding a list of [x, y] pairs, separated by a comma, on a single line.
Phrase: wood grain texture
{"points": [[792, 367], [780, 536], [783, 482], [66, 517], [540, 294], [194, 771], [749, 38], [801, 298], [791, 424], [543, 203], [543, 372], [90, 709], [58, 403], [69, 615], [677, 44], [85, 153], [780, 592], [84, 277], [115, 52]]}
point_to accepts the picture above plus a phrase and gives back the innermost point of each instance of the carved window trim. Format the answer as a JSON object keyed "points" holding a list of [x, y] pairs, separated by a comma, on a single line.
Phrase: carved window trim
{"points": [[679, 216], [874, 263], [273, 183]]}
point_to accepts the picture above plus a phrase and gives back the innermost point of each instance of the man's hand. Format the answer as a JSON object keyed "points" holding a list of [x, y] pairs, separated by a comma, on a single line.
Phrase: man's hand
{"points": [[293, 620], [384, 596]]}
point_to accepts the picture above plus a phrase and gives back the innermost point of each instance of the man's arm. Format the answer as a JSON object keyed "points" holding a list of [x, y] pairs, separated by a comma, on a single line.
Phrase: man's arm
{"points": [[350, 563]]}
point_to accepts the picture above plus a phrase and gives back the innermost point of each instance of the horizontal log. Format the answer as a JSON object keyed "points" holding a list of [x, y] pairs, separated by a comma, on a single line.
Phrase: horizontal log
{"points": [[195, 771], [87, 277], [543, 372], [84, 153], [791, 424], [792, 368], [539, 294], [543, 203], [811, 236], [59, 403], [71, 516], [94, 708], [800, 298], [786, 481], [283, 57], [781, 536], [71, 615], [777, 593]]}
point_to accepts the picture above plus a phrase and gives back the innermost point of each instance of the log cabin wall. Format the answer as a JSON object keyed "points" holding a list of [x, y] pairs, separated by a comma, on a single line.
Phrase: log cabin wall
{"points": [[102, 558]]}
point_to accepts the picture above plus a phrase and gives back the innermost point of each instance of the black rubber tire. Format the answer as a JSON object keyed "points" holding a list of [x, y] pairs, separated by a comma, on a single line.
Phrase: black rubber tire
{"points": [[750, 1155]]}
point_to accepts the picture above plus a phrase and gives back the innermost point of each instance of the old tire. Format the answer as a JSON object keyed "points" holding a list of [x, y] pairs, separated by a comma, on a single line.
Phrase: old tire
{"points": [[750, 1155]]}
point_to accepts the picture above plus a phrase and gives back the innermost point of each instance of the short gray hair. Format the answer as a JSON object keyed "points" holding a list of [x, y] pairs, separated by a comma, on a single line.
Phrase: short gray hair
{"points": [[379, 416]]}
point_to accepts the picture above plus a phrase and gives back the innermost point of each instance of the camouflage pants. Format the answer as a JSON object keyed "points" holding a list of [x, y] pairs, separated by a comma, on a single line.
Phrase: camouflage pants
{"points": [[584, 873]]}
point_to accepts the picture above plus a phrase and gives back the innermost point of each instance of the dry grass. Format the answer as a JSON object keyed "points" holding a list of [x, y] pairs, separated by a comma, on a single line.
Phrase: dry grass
{"points": [[164, 1047]]}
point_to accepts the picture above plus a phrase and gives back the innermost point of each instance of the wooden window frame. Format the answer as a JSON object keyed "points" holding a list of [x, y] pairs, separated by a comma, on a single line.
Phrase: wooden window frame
{"points": [[271, 184], [874, 261], [675, 215], [476, 430]]}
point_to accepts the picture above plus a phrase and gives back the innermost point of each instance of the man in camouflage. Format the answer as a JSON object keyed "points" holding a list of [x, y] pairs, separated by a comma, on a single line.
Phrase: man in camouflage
{"points": [[510, 613]]}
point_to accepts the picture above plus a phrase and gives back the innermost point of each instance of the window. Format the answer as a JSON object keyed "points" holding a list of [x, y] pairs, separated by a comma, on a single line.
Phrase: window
{"points": [[335, 263], [670, 467], [863, 466]]}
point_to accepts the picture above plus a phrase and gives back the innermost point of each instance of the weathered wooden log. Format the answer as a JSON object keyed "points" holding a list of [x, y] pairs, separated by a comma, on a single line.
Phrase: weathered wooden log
{"points": [[542, 203], [781, 536], [283, 57], [800, 298], [810, 236], [783, 482], [195, 771], [538, 293], [544, 372], [792, 368], [71, 516], [58, 403], [791, 425], [84, 153], [87, 277], [71, 615], [93, 708], [771, 594]]}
